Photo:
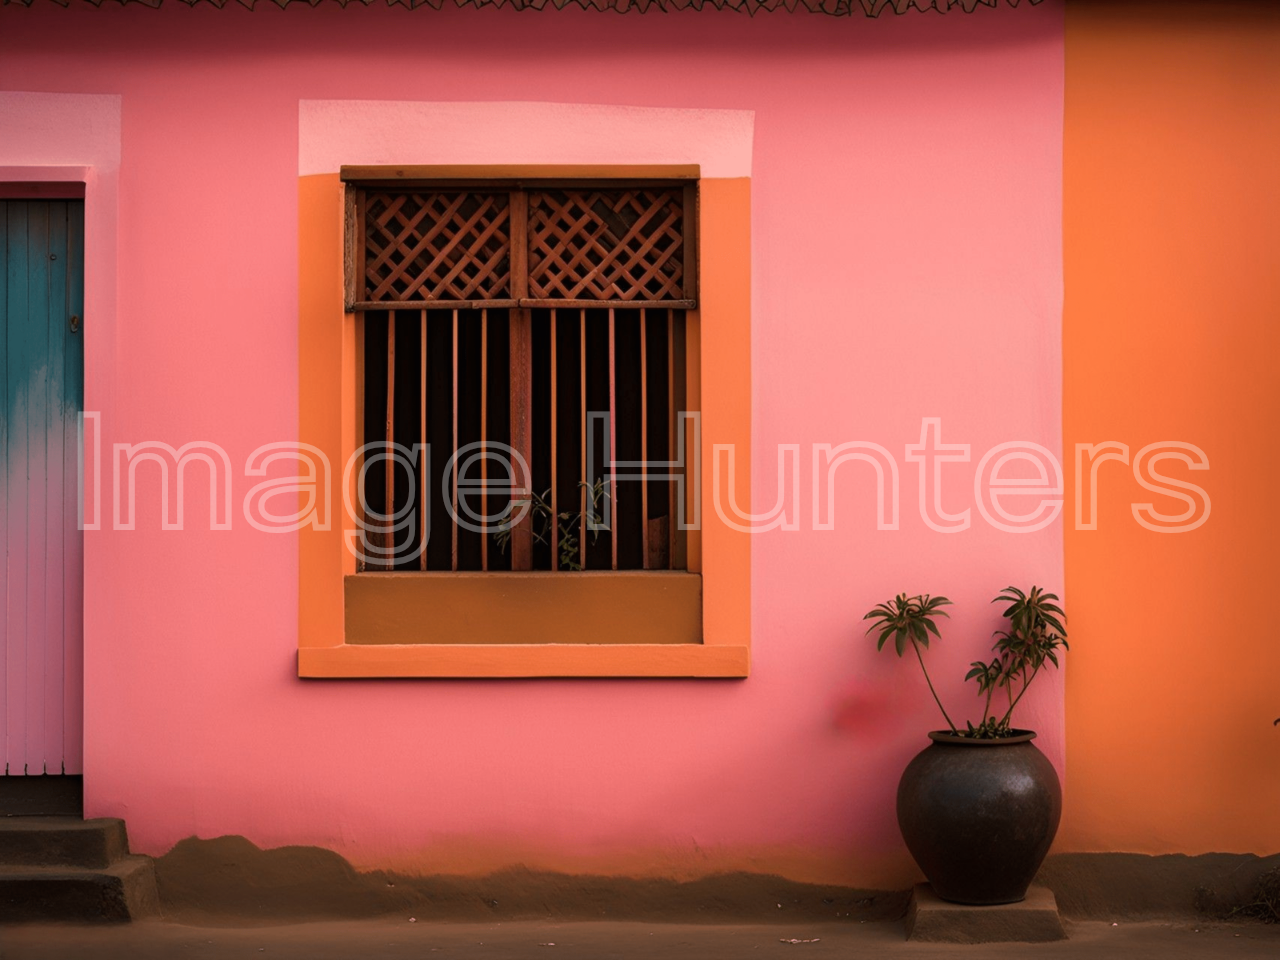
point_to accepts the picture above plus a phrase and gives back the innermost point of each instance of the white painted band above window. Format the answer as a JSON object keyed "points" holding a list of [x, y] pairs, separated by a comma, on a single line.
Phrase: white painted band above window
{"points": [[332, 133]]}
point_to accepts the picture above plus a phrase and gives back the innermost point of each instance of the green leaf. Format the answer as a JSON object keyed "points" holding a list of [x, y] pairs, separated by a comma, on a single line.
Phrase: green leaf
{"points": [[934, 607]]}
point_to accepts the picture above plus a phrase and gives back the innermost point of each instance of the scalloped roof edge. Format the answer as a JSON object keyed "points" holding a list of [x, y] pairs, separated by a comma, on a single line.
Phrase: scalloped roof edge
{"points": [[832, 8]]}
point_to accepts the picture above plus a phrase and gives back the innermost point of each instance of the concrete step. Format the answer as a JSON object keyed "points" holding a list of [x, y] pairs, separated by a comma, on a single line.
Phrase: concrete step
{"points": [[61, 842], [123, 891], [930, 919]]}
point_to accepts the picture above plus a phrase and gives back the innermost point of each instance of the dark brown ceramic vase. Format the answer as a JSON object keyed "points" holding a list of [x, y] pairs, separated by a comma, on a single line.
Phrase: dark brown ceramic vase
{"points": [[978, 815]]}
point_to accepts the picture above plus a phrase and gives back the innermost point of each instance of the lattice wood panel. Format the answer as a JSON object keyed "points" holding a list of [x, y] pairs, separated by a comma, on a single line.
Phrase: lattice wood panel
{"points": [[593, 244], [437, 246]]}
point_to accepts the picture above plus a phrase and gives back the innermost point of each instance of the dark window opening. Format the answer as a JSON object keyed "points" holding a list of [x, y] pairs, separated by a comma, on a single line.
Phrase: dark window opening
{"points": [[549, 320], [466, 399]]}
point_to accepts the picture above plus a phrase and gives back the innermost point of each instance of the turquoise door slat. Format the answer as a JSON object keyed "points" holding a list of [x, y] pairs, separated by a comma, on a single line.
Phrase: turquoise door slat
{"points": [[41, 288]]}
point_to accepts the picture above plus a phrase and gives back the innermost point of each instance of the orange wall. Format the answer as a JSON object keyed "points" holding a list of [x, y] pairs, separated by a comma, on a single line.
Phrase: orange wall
{"points": [[1172, 332]]}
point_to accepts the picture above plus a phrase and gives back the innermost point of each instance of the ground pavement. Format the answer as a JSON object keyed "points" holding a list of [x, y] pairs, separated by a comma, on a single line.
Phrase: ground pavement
{"points": [[396, 938]]}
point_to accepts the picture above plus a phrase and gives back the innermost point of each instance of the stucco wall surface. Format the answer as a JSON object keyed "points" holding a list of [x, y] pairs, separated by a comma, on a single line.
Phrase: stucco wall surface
{"points": [[1172, 228], [906, 190]]}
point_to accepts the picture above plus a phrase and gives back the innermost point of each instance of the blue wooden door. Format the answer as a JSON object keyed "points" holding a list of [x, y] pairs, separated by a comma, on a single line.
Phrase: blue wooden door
{"points": [[41, 306]]}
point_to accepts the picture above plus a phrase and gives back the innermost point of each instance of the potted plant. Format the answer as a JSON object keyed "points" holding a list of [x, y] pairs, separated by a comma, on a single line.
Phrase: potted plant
{"points": [[979, 807]]}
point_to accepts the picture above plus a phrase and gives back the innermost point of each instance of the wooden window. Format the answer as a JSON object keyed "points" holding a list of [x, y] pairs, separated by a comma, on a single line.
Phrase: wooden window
{"points": [[689, 614], [544, 317]]}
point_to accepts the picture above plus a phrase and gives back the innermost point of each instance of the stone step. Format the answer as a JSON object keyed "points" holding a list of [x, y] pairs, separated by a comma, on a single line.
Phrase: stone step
{"points": [[123, 891], [930, 919], [61, 842]]}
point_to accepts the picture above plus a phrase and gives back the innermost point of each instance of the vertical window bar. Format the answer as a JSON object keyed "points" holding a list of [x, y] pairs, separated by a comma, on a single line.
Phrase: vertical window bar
{"points": [[423, 514], [555, 510], [680, 537], [389, 485], [484, 433], [672, 419], [453, 521], [520, 338], [614, 525], [361, 438], [644, 439], [584, 472], [522, 430]]}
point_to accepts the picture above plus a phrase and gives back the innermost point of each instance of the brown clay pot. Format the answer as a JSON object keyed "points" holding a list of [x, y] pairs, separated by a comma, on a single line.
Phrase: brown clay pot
{"points": [[979, 815]]}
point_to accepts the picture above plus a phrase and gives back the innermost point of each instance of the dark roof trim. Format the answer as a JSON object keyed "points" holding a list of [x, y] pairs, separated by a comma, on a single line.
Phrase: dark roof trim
{"points": [[833, 8]]}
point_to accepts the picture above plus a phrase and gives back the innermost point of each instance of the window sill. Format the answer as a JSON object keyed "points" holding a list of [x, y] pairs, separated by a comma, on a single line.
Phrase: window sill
{"points": [[689, 660]]}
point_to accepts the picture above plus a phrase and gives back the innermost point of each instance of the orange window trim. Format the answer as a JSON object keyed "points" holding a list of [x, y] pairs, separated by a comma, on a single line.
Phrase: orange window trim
{"points": [[327, 404]]}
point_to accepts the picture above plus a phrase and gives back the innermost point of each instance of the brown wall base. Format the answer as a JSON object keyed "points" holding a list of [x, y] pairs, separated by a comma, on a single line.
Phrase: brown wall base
{"points": [[230, 880], [1133, 886]]}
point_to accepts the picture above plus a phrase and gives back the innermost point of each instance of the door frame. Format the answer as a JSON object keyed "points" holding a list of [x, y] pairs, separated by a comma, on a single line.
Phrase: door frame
{"points": [[48, 794], [97, 185]]}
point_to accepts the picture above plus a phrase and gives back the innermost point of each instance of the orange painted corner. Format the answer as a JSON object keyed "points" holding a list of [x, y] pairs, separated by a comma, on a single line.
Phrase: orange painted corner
{"points": [[1172, 250]]}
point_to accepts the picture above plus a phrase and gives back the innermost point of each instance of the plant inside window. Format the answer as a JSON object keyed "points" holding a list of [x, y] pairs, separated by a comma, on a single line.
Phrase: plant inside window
{"points": [[567, 523]]}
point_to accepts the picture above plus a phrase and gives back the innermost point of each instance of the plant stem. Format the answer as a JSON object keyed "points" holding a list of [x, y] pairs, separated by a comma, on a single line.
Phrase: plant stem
{"points": [[1014, 703], [916, 648]]}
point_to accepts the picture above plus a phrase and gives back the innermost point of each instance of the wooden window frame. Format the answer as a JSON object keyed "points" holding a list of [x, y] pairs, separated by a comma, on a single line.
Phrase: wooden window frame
{"points": [[329, 644], [497, 266]]}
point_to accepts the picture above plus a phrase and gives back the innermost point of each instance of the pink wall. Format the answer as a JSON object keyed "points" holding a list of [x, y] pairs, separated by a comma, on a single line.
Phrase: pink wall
{"points": [[907, 258], [68, 139]]}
